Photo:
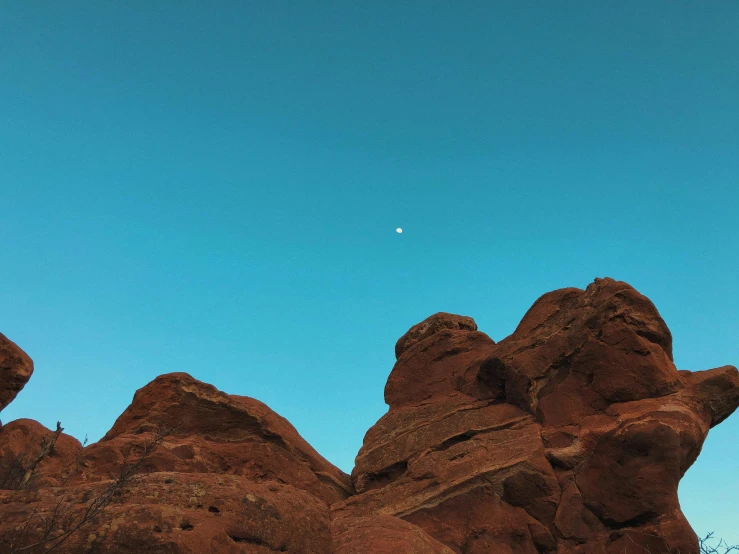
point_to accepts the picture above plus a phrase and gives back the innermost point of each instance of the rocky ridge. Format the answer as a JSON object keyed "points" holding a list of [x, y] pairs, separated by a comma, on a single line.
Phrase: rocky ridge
{"points": [[570, 435]]}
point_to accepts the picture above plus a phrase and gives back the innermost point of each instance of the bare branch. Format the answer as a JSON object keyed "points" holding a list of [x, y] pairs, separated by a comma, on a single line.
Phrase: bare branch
{"points": [[707, 549], [14, 470], [46, 448], [54, 535]]}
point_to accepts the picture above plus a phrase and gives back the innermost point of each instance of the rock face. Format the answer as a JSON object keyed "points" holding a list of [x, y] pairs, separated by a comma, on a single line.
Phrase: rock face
{"points": [[15, 370], [570, 435], [216, 473], [217, 434], [20, 445]]}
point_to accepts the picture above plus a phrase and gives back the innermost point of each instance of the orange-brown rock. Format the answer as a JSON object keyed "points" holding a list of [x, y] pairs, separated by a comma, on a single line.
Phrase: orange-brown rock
{"points": [[15, 370], [182, 513], [214, 433], [382, 535], [226, 475], [569, 436], [21, 442]]}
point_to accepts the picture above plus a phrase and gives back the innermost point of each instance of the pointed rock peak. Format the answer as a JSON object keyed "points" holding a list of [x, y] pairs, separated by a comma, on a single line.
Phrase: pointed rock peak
{"points": [[170, 400], [240, 435], [431, 325]]}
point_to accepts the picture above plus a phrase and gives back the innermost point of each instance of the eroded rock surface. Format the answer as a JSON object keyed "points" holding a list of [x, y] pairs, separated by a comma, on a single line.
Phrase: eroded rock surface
{"points": [[570, 435], [165, 512], [215, 433], [21, 442], [15, 370], [213, 473]]}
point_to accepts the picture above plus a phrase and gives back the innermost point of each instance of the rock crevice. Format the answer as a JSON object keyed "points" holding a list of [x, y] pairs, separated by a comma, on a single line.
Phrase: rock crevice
{"points": [[570, 435]]}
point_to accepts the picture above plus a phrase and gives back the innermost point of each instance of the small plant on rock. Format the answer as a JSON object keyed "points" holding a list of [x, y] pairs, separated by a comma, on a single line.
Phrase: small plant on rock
{"points": [[54, 527]]}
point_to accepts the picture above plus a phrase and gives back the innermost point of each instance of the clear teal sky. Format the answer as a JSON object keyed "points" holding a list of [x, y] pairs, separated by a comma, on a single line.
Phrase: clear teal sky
{"points": [[216, 190]]}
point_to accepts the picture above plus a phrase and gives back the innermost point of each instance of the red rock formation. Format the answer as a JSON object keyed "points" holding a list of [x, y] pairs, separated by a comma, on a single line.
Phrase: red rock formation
{"points": [[382, 535], [230, 475], [15, 371], [215, 433], [21, 443], [570, 435]]}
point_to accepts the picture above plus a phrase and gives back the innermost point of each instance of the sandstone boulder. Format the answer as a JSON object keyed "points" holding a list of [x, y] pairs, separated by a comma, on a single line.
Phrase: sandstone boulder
{"points": [[570, 435], [15, 370]]}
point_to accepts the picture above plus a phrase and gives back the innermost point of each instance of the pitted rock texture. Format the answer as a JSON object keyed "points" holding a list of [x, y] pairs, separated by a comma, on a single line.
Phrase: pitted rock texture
{"points": [[166, 512], [569, 436], [227, 475], [215, 433], [16, 369]]}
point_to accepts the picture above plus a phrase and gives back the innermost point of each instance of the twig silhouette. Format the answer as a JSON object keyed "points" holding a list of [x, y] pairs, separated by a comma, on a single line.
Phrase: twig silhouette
{"points": [[47, 447], [60, 525]]}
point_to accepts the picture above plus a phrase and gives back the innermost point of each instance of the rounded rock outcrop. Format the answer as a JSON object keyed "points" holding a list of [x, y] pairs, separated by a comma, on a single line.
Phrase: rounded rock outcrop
{"points": [[431, 325], [550, 430], [216, 433], [16, 369]]}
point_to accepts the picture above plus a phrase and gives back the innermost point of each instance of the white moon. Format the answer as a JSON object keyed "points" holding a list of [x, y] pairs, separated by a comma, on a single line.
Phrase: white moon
{"points": [[398, 230]]}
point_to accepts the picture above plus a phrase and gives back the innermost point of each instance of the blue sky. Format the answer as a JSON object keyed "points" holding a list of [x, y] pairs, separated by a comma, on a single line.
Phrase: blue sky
{"points": [[216, 190]]}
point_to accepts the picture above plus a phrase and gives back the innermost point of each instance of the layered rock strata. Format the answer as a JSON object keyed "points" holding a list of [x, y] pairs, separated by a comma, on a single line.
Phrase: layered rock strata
{"points": [[570, 435]]}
